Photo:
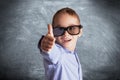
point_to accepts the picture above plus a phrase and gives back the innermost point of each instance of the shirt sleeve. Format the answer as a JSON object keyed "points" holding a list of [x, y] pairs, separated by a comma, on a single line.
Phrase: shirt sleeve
{"points": [[39, 43], [53, 55]]}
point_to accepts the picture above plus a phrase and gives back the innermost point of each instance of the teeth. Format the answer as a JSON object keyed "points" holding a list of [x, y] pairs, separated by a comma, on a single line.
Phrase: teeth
{"points": [[67, 40]]}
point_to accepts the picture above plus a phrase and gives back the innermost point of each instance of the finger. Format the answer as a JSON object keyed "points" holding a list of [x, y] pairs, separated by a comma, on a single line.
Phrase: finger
{"points": [[49, 38], [50, 43], [47, 47], [46, 44], [50, 30]]}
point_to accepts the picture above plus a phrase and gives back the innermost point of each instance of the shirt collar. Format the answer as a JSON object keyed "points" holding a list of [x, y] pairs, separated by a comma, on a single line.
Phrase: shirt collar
{"points": [[66, 50]]}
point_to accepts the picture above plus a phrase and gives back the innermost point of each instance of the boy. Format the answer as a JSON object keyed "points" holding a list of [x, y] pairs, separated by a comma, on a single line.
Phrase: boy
{"points": [[58, 46]]}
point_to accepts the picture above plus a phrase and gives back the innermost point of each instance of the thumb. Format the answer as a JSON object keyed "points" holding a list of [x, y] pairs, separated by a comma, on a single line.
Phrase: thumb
{"points": [[50, 30]]}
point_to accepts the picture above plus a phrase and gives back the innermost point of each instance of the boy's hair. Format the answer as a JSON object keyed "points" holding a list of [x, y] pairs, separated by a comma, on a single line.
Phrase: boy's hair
{"points": [[65, 11]]}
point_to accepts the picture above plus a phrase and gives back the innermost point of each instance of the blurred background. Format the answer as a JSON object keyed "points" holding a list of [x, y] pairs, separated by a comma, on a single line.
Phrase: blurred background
{"points": [[23, 22]]}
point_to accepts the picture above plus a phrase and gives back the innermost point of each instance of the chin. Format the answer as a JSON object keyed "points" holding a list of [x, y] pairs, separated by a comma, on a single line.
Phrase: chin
{"points": [[68, 46]]}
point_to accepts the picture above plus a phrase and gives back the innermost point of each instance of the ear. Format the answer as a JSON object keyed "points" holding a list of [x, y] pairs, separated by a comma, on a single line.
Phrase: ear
{"points": [[81, 31]]}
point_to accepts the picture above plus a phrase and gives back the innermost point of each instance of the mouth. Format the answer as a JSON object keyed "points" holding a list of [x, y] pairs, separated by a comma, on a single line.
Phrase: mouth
{"points": [[66, 40]]}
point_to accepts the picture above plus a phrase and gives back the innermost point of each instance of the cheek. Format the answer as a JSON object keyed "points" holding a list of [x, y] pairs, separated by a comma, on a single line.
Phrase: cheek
{"points": [[58, 40], [74, 38]]}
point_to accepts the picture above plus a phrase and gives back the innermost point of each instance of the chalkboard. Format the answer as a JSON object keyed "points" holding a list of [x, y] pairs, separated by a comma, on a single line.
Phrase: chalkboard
{"points": [[23, 22]]}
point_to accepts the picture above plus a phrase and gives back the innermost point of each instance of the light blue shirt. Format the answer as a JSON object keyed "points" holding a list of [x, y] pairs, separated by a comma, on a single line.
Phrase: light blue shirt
{"points": [[61, 64]]}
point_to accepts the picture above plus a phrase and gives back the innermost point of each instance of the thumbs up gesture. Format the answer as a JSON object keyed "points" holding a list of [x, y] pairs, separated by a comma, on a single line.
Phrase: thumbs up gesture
{"points": [[48, 40]]}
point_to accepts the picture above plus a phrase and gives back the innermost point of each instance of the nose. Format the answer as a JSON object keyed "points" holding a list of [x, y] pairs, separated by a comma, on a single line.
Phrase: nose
{"points": [[66, 33]]}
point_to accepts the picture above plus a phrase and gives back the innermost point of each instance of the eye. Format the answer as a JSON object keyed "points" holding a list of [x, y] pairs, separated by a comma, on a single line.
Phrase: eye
{"points": [[72, 28], [61, 28], [57, 31]]}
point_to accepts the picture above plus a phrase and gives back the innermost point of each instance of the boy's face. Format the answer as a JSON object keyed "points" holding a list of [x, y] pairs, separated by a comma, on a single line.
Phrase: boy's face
{"points": [[66, 40]]}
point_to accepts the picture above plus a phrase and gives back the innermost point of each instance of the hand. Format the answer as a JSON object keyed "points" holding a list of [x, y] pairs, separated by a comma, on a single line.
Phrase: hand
{"points": [[48, 40]]}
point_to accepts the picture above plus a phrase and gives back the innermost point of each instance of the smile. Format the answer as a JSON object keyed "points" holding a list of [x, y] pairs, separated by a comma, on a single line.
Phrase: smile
{"points": [[67, 40]]}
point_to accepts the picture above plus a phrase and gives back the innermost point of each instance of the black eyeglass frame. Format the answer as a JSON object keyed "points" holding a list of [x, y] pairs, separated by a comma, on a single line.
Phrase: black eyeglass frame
{"points": [[66, 29]]}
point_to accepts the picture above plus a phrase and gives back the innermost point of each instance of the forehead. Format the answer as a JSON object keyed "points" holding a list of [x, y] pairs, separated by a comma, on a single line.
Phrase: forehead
{"points": [[66, 20]]}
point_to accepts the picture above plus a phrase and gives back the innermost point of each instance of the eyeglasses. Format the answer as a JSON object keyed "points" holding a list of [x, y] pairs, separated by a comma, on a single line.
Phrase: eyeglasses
{"points": [[72, 30]]}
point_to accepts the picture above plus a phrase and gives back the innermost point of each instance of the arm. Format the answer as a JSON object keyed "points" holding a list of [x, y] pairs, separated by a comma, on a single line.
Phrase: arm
{"points": [[48, 48]]}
